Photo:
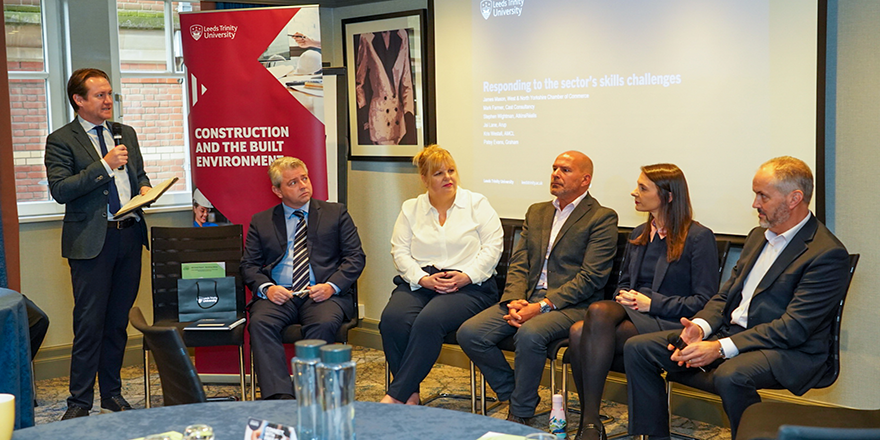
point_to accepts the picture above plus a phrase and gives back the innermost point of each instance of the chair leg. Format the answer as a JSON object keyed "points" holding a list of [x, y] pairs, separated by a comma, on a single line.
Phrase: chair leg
{"points": [[241, 372], [387, 377], [473, 388], [672, 433], [147, 379], [565, 388], [253, 378], [482, 394], [552, 377]]}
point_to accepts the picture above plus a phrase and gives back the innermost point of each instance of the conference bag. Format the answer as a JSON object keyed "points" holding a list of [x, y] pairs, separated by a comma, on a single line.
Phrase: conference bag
{"points": [[202, 298]]}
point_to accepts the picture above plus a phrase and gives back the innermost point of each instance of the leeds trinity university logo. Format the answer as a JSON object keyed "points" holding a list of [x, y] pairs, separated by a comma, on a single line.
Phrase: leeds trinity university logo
{"points": [[196, 31], [486, 8]]}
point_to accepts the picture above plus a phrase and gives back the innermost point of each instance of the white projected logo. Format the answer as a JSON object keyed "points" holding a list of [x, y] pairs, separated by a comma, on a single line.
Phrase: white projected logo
{"points": [[486, 8], [196, 31], [497, 8]]}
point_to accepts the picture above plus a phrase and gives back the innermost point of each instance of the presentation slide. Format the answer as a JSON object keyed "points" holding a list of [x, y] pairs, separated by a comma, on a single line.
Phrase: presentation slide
{"points": [[715, 87]]}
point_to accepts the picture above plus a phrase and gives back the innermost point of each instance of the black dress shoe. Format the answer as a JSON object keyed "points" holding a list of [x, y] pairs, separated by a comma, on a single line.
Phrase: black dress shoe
{"points": [[74, 411], [521, 420], [583, 431], [115, 404]]}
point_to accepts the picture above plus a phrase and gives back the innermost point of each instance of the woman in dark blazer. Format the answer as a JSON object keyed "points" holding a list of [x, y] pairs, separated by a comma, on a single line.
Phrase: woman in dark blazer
{"points": [[669, 270]]}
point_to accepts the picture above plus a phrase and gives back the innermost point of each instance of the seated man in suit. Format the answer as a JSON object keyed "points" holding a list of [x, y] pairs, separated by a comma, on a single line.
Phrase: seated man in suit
{"points": [[770, 324], [559, 268], [300, 261]]}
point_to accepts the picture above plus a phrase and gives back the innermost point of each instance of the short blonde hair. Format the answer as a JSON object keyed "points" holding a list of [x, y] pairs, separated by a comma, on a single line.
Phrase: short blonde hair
{"points": [[284, 163], [431, 159]]}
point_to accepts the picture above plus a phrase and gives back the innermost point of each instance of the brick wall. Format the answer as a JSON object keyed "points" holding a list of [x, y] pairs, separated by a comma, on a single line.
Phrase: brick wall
{"points": [[30, 125]]}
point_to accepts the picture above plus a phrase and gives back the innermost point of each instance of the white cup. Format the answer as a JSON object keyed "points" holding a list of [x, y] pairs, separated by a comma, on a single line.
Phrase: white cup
{"points": [[7, 416]]}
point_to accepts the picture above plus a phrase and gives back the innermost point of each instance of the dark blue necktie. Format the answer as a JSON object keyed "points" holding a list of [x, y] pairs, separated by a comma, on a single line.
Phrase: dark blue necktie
{"points": [[113, 192]]}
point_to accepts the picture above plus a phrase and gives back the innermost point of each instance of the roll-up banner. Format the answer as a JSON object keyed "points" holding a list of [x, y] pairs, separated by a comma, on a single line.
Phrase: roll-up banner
{"points": [[255, 93]]}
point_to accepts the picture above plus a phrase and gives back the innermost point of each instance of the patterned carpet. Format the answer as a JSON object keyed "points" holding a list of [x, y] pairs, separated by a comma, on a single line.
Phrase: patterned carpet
{"points": [[52, 395]]}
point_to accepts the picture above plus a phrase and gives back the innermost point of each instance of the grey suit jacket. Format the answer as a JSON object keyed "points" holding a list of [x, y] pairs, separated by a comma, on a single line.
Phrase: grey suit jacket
{"points": [[793, 307], [78, 180], [334, 248], [580, 260]]}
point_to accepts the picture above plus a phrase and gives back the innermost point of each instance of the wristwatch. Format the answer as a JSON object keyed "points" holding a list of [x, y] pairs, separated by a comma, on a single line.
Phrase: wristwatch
{"points": [[545, 306]]}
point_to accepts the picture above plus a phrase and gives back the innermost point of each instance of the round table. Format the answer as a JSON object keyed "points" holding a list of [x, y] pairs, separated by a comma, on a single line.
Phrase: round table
{"points": [[15, 357], [372, 421]]}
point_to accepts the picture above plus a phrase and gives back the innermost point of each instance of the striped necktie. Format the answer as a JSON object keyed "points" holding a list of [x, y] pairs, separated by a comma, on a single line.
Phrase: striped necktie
{"points": [[300, 277]]}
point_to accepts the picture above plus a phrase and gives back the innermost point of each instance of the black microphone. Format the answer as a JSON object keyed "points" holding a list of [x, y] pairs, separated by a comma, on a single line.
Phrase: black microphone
{"points": [[116, 129], [675, 340]]}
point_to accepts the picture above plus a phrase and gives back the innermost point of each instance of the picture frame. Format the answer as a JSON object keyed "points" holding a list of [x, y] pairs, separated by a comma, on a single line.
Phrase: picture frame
{"points": [[389, 70]]}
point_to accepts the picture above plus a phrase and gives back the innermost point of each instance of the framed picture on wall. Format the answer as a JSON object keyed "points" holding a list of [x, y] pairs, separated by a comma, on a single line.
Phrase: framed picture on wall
{"points": [[387, 66]]}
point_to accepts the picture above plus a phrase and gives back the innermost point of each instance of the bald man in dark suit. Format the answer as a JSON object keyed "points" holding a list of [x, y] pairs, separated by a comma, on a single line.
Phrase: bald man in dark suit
{"points": [[558, 269]]}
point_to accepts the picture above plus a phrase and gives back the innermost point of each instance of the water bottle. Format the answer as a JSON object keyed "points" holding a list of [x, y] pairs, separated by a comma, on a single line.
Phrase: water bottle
{"points": [[557, 417], [336, 388], [305, 381]]}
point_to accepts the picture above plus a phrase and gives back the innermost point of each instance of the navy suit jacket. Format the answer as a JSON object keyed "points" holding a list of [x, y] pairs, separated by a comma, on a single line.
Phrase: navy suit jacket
{"points": [[794, 305], [682, 287], [334, 248], [78, 180]]}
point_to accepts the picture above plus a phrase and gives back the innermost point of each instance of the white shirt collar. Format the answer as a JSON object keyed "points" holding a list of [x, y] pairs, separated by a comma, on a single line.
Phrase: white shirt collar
{"points": [[789, 234], [573, 204]]}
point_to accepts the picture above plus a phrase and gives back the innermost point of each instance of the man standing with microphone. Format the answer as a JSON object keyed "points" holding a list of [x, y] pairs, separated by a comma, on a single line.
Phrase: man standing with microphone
{"points": [[103, 251]]}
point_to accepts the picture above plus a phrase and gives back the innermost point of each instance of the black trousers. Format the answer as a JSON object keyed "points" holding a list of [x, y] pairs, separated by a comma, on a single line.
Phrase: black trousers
{"points": [[104, 289], [414, 324], [736, 380], [319, 321]]}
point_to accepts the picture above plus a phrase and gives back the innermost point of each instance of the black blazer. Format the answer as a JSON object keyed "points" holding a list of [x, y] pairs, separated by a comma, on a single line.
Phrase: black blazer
{"points": [[78, 180], [680, 288], [334, 247], [793, 307]]}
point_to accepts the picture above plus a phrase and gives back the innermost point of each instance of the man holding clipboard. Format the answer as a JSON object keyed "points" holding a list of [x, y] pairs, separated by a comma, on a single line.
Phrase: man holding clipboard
{"points": [[94, 176]]}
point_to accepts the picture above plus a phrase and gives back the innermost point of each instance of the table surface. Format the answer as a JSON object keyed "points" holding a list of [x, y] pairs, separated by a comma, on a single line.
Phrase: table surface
{"points": [[15, 356], [372, 421]]}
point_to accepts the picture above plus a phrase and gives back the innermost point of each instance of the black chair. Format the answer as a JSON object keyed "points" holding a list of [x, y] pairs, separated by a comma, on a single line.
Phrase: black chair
{"points": [[293, 333], [180, 382], [762, 420], [169, 248]]}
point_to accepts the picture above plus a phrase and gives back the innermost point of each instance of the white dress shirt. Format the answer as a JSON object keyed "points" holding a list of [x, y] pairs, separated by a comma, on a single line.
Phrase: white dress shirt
{"points": [[740, 315], [120, 177], [559, 219], [470, 241]]}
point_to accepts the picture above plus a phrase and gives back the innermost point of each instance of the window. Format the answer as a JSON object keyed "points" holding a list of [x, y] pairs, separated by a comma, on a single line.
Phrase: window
{"points": [[152, 92], [153, 84], [28, 76]]}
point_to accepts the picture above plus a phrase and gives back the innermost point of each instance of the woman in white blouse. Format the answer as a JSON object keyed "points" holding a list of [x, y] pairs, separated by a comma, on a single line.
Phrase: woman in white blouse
{"points": [[446, 244]]}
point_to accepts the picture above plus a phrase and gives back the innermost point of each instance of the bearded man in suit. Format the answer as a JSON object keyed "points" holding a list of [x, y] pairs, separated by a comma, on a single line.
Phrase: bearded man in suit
{"points": [[103, 251], [559, 268], [301, 259], [770, 324]]}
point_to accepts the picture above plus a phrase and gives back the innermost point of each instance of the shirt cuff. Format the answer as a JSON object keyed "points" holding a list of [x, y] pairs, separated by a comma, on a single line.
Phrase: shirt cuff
{"points": [[729, 347], [261, 291], [707, 329], [335, 288], [107, 167]]}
